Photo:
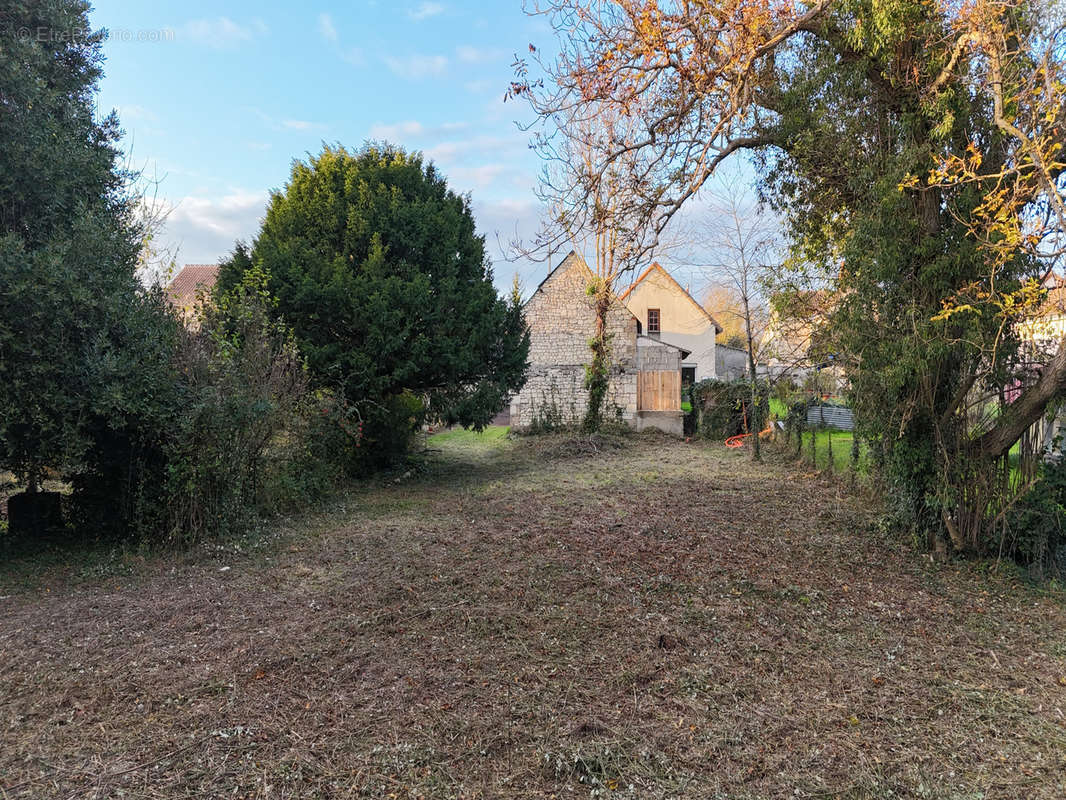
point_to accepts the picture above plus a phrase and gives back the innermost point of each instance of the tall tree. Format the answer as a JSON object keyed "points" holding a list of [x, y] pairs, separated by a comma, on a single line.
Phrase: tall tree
{"points": [[377, 267], [80, 345], [865, 118], [744, 242], [592, 208]]}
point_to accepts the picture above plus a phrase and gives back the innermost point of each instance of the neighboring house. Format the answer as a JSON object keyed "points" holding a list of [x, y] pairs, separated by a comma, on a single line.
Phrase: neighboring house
{"points": [[665, 311], [186, 287], [796, 321], [645, 381], [1047, 326], [730, 363], [1044, 331]]}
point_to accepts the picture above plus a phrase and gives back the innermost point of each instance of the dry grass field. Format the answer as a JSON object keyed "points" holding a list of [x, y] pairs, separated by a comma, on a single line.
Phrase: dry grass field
{"points": [[551, 617]]}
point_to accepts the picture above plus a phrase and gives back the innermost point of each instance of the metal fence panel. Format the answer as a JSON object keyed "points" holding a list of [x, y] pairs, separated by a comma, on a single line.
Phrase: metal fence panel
{"points": [[831, 416]]}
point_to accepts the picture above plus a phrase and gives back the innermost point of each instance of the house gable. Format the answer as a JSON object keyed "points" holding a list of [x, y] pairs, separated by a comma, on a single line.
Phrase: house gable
{"points": [[682, 321], [561, 319], [656, 279], [182, 292]]}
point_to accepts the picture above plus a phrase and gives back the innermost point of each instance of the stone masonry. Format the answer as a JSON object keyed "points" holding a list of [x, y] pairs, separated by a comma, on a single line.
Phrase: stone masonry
{"points": [[561, 322]]}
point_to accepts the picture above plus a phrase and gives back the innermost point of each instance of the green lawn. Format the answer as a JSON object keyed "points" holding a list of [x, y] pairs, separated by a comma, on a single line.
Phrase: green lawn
{"points": [[462, 436], [841, 448]]}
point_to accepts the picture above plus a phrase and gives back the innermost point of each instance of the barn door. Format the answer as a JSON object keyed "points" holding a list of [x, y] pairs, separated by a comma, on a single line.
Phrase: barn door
{"points": [[659, 391]]}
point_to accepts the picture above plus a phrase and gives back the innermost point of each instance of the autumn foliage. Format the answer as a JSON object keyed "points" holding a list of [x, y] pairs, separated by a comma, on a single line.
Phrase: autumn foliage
{"points": [[914, 150]]}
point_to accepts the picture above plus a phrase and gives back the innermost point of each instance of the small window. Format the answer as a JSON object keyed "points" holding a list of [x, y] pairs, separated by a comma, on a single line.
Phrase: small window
{"points": [[653, 320]]}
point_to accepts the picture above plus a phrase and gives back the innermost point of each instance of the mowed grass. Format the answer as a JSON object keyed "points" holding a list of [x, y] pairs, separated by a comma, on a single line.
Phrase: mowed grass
{"points": [[544, 617], [832, 448], [461, 438]]}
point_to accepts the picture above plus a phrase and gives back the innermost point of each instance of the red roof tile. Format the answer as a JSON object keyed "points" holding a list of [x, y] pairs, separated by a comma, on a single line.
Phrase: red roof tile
{"points": [[183, 289]]}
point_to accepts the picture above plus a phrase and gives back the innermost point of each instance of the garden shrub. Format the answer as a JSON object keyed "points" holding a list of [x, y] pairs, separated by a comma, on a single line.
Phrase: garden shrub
{"points": [[192, 465], [312, 455], [243, 381], [1035, 529], [724, 408]]}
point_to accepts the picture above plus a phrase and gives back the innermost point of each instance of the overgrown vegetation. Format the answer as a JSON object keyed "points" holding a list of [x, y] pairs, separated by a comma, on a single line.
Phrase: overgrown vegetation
{"points": [[164, 429], [725, 408], [914, 150], [377, 267], [1034, 528]]}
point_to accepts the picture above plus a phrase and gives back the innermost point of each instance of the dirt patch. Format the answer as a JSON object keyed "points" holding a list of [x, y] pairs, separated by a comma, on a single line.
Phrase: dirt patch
{"points": [[649, 620]]}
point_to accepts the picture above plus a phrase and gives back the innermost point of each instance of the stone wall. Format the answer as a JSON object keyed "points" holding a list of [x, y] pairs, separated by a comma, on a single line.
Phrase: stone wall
{"points": [[657, 356], [561, 322]]}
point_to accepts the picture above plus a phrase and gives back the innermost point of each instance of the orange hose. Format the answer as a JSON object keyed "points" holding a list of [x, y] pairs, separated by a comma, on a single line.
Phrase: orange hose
{"points": [[738, 440]]}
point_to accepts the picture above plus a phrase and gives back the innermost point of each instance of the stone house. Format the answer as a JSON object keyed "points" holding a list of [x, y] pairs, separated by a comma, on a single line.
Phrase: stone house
{"points": [[665, 311], [644, 389]]}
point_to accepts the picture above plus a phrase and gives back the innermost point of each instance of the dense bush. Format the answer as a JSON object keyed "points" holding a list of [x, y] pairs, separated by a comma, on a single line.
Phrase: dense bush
{"points": [[724, 408], [195, 464], [1035, 530], [378, 268], [242, 381]]}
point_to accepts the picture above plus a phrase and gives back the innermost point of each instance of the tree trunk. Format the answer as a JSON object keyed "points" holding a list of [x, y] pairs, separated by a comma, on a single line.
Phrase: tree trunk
{"points": [[598, 376], [1027, 409], [756, 423]]}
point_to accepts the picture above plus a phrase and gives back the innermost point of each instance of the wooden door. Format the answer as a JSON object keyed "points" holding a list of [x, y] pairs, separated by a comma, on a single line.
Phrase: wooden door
{"points": [[659, 391]]}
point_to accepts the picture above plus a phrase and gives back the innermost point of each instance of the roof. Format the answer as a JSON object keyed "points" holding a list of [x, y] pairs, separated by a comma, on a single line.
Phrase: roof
{"points": [[655, 265], [183, 289], [660, 343], [721, 346]]}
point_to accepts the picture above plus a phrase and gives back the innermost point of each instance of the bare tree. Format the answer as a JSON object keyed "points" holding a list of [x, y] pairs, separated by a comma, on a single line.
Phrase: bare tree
{"points": [[744, 241], [590, 206], [156, 261]]}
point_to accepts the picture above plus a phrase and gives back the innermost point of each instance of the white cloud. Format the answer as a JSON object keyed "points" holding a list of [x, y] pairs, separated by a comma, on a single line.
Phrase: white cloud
{"points": [[204, 229], [327, 28], [290, 124], [398, 130], [412, 129], [425, 11], [483, 86], [417, 66], [353, 55], [480, 146], [469, 54], [220, 32], [465, 179]]}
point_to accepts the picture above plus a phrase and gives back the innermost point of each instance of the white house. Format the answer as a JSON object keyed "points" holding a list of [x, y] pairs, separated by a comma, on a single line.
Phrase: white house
{"points": [[665, 311]]}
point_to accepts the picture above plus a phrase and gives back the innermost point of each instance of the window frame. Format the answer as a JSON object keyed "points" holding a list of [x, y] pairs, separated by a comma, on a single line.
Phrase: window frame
{"points": [[658, 327]]}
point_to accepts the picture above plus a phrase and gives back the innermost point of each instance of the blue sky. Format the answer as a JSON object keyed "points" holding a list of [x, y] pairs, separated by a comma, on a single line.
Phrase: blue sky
{"points": [[217, 99]]}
